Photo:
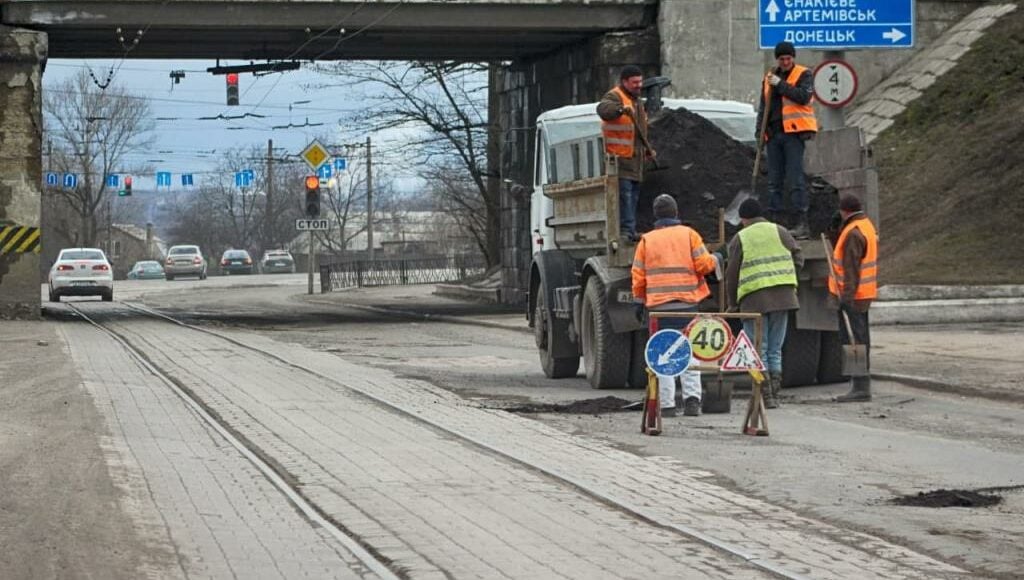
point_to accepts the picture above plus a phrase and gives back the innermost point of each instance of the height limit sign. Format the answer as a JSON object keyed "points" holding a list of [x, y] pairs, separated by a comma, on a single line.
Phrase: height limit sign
{"points": [[835, 83]]}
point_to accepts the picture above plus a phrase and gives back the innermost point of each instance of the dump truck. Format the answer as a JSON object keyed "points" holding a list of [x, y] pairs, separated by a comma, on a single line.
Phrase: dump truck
{"points": [[580, 302]]}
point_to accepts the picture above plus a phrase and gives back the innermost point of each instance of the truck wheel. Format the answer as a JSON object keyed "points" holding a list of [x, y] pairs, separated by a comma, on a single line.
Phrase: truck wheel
{"points": [[543, 333], [605, 353], [830, 365], [637, 363], [800, 355]]}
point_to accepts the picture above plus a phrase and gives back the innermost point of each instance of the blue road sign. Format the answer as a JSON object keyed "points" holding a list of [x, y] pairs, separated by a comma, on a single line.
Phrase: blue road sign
{"points": [[52, 179], [70, 180], [324, 172], [340, 164], [163, 178], [244, 178], [112, 180], [187, 180], [668, 352], [836, 24]]}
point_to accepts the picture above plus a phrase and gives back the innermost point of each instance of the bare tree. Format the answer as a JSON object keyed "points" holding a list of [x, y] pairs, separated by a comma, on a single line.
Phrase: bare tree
{"points": [[89, 130], [442, 106]]}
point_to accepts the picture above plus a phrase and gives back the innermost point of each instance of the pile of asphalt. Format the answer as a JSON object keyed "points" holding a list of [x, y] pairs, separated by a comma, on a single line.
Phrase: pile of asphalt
{"points": [[941, 498], [703, 168], [584, 407]]}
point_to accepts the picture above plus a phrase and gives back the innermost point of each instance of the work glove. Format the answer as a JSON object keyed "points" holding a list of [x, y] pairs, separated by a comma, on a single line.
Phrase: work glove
{"points": [[774, 80], [627, 111]]}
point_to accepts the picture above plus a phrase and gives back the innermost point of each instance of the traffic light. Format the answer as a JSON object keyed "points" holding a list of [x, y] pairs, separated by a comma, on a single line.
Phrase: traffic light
{"points": [[232, 79], [127, 189], [312, 196]]}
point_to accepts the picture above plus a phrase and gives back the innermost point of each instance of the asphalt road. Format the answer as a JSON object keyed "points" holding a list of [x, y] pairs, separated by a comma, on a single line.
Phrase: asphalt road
{"points": [[841, 464]]}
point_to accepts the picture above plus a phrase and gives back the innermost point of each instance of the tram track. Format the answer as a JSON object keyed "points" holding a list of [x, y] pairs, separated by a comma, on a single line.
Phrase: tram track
{"points": [[363, 550]]}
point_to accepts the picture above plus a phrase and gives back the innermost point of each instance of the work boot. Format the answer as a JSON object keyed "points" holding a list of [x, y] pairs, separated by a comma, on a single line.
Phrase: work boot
{"points": [[860, 391], [691, 407], [802, 231], [771, 391]]}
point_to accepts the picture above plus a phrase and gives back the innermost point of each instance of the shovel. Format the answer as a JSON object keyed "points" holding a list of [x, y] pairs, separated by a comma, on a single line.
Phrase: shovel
{"points": [[855, 356], [647, 145], [732, 212]]}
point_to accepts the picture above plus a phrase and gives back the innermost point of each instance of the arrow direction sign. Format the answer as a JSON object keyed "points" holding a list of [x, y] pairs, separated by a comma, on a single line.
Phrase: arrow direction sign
{"points": [[52, 179], [668, 352], [836, 24]]}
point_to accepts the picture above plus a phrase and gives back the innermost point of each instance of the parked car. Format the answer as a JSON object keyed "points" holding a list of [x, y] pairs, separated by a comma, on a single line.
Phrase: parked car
{"points": [[277, 262], [185, 260], [81, 272], [236, 262], [146, 270]]}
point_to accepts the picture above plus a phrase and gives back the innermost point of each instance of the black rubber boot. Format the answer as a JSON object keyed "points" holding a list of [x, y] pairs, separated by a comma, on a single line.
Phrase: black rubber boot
{"points": [[691, 407], [771, 394], [860, 391]]}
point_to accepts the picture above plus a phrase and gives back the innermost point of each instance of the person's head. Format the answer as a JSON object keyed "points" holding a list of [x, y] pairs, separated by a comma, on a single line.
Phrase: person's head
{"points": [[632, 79], [849, 204], [665, 207], [785, 53], [750, 210]]}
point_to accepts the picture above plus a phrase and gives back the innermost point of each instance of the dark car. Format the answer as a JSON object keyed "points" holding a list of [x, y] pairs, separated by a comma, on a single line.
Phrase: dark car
{"points": [[236, 262]]}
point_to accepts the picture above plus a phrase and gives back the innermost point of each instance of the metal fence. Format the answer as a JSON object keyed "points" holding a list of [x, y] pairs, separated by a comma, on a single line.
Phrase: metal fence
{"points": [[399, 272]]}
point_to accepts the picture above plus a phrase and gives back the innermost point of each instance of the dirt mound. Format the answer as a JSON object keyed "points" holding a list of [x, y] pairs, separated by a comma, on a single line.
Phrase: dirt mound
{"points": [[950, 170], [941, 498], [704, 169], [584, 407]]}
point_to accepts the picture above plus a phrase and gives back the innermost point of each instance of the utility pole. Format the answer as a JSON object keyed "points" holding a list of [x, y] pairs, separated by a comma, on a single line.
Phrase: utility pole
{"points": [[369, 199], [268, 218]]}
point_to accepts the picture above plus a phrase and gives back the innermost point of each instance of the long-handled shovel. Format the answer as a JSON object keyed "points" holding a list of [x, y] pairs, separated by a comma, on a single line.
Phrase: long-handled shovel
{"points": [[732, 212]]}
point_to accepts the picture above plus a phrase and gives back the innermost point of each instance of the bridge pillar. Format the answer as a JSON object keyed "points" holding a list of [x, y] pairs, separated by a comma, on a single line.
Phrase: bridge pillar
{"points": [[22, 58], [579, 73]]}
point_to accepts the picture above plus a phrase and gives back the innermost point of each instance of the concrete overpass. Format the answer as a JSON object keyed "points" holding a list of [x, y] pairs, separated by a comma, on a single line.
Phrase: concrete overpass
{"points": [[551, 53], [310, 29]]}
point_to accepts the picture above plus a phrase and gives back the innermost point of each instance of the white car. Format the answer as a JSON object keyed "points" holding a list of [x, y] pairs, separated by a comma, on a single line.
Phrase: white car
{"points": [[81, 272]]}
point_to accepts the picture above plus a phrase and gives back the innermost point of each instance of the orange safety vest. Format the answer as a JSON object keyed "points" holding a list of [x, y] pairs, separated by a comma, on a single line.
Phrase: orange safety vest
{"points": [[867, 288], [620, 133], [796, 118], [664, 262]]}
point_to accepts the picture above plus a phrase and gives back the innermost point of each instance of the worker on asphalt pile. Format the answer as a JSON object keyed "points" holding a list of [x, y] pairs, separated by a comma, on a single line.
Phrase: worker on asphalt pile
{"points": [[854, 283], [668, 272], [789, 89], [624, 129], [761, 277]]}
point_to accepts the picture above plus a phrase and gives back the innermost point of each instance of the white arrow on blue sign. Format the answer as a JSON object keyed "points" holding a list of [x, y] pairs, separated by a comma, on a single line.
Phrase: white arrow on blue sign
{"points": [[70, 180], [52, 179], [340, 164], [668, 352], [836, 24], [112, 180], [163, 178], [324, 172], [186, 179], [244, 178]]}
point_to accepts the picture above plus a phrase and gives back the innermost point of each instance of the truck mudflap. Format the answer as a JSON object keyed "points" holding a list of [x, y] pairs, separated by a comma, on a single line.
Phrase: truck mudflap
{"points": [[618, 284]]}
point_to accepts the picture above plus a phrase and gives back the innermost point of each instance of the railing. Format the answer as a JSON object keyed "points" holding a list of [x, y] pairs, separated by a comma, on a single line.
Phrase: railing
{"points": [[399, 272]]}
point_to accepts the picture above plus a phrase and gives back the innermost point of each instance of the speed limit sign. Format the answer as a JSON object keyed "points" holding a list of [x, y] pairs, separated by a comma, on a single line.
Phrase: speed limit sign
{"points": [[835, 83], [710, 337]]}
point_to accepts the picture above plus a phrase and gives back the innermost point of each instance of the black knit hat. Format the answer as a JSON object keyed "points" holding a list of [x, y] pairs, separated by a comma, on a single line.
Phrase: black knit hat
{"points": [[665, 207], [851, 203], [630, 70], [783, 48], [750, 209]]}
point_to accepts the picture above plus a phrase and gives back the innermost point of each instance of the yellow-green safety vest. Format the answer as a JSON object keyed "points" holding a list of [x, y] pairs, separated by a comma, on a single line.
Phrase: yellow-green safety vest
{"points": [[766, 261]]}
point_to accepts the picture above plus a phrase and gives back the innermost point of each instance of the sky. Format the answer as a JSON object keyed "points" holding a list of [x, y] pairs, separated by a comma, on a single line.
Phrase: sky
{"points": [[184, 144]]}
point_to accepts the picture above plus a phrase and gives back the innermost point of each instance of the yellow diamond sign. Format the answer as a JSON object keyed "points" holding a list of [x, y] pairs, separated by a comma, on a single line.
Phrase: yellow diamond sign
{"points": [[315, 155]]}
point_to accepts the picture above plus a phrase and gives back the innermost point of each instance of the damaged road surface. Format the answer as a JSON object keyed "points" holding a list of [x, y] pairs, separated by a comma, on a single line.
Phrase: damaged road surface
{"points": [[397, 433]]}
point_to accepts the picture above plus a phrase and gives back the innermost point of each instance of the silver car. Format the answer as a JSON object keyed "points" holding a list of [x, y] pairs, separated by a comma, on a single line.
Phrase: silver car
{"points": [[81, 272], [184, 261], [277, 262]]}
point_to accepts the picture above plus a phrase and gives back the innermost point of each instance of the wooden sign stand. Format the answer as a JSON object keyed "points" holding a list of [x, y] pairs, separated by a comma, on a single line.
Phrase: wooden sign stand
{"points": [[756, 420]]}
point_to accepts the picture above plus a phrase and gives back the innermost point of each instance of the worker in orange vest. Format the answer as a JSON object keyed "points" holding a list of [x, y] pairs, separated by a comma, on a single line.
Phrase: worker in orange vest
{"points": [[669, 266], [854, 282], [789, 88], [624, 129]]}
